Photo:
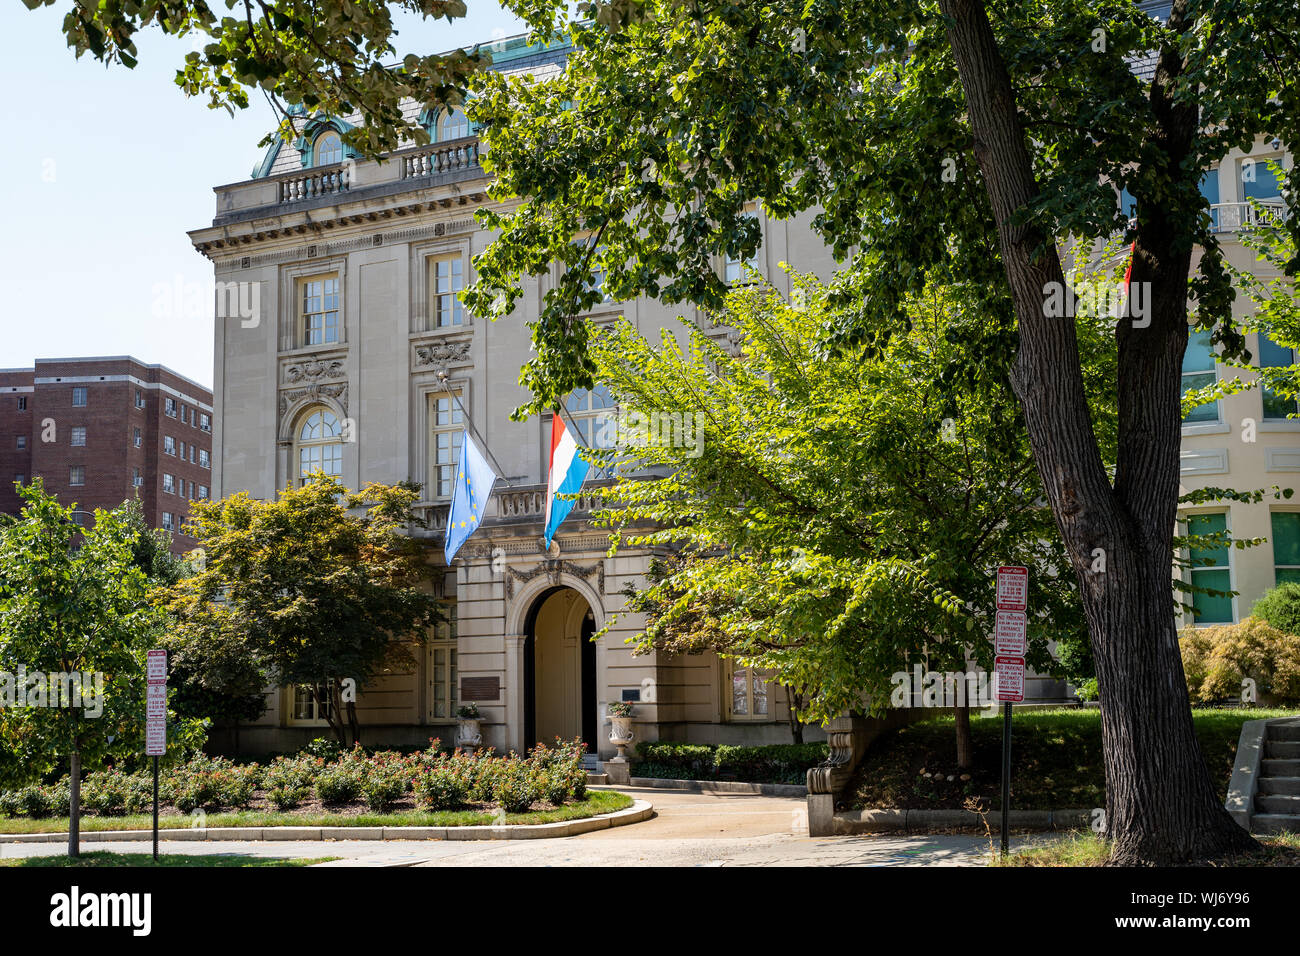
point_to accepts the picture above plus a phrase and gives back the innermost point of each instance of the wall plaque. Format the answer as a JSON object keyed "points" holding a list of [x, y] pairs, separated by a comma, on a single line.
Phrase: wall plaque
{"points": [[480, 688]]}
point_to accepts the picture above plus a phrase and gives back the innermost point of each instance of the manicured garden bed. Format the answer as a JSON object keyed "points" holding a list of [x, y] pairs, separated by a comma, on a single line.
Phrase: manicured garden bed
{"points": [[426, 788], [594, 803], [1056, 761], [776, 763]]}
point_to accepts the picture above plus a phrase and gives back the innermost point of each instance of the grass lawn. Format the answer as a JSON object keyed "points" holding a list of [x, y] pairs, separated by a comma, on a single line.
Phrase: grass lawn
{"points": [[596, 802], [101, 858], [1055, 761], [1087, 849]]}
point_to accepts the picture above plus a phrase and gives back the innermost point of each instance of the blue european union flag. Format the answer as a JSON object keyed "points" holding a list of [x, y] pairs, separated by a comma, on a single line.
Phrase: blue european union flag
{"points": [[473, 488]]}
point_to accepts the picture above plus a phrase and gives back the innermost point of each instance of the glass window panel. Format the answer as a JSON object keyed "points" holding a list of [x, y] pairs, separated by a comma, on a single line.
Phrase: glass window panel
{"points": [[1258, 181], [739, 693], [760, 696], [1286, 537], [1209, 524], [1213, 610]]}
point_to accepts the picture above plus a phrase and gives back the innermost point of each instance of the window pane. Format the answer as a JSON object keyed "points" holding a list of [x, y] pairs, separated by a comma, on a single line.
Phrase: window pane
{"points": [[1212, 610], [1258, 181], [1286, 537], [1199, 356], [1208, 524], [739, 692]]}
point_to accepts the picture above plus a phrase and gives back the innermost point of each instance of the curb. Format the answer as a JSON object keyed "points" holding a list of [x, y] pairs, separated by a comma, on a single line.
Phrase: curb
{"points": [[721, 786], [640, 810], [846, 823]]}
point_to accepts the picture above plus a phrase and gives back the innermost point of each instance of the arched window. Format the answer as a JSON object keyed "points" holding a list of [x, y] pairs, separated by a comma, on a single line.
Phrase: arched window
{"points": [[328, 149], [319, 445], [452, 124]]}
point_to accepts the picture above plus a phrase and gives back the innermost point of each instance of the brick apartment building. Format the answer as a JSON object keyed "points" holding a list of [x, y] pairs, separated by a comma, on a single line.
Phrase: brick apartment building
{"points": [[103, 430]]}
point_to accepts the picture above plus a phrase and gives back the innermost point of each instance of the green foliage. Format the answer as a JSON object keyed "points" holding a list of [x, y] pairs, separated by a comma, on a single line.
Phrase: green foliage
{"points": [[775, 763], [1280, 607], [328, 57], [1219, 660], [75, 601], [316, 587], [516, 786], [324, 748], [836, 517]]}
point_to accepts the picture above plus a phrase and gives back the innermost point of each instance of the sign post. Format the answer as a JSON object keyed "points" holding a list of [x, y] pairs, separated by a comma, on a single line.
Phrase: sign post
{"points": [[1009, 641], [155, 732]]}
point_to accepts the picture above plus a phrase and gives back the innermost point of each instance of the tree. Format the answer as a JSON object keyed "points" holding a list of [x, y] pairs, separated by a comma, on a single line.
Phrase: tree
{"points": [[834, 519], [329, 58], [319, 587], [954, 140], [75, 620]]}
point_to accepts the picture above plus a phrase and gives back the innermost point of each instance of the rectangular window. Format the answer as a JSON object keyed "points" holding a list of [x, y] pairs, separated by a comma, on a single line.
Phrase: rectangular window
{"points": [[308, 706], [192, 450], [182, 451], [22, 403], [203, 492], [79, 397], [205, 423], [204, 460], [1210, 190], [78, 439], [1211, 568], [446, 278], [738, 269], [137, 437], [168, 521], [444, 444], [1257, 180], [1273, 355], [20, 479], [442, 665], [169, 407], [320, 310], [1286, 545], [139, 399], [136, 479], [77, 475], [169, 484], [749, 699], [169, 445], [1198, 372], [185, 414], [22, 441]]}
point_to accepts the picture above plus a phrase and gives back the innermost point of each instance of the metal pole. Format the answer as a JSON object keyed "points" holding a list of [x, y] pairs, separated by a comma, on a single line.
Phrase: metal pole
{"points": [[577, 434], [469, 423], [1006, 774], [155, 809]]}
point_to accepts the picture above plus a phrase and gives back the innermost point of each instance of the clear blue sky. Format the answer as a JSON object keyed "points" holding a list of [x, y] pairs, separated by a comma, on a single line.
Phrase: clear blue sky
{"points": [[101, 174]]}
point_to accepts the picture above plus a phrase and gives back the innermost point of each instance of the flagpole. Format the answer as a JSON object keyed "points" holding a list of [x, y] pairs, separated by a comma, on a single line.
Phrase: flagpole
{"points": [[577, 434], [469, 423]]}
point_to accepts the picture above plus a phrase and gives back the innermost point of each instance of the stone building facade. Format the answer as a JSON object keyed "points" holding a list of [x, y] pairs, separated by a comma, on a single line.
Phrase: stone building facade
{"points": [[348, 367], [103, 430]]}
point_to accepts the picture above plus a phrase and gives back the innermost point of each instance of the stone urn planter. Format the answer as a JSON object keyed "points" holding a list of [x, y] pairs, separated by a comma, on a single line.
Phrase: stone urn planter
{"points": [[469, 729], [620, 728]]}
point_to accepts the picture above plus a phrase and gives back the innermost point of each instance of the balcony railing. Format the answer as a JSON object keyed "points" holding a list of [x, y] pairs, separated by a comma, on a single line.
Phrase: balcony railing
{"points": [[322, 182], [440, 158], [1236, 216], [508, 505]]}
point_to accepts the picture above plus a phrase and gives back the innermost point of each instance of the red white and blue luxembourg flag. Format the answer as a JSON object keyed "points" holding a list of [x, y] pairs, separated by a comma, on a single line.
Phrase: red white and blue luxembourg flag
{"points": [[474, 481], [568, 472]]}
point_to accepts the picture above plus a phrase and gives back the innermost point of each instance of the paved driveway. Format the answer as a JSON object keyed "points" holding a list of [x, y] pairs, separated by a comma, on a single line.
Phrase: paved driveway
{"points": [[688, 829]]}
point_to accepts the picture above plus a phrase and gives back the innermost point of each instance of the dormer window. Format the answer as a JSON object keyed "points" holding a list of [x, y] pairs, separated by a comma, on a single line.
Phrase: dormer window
{"points": [[328, 149], [452, 124]]}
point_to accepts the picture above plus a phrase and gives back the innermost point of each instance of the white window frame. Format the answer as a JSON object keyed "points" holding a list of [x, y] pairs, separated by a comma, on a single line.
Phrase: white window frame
{"points": [[439, 402], [729, 670], [444, 639], [1190, 618]]}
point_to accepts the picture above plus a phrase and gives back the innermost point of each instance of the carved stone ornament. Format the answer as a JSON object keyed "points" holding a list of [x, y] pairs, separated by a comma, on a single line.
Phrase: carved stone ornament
{"points": [[314, 370], [337, 392], [554, 568], [439, 356]]}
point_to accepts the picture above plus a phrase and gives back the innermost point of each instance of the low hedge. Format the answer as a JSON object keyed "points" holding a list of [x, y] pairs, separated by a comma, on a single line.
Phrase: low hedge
{"points": [[775, 763]]}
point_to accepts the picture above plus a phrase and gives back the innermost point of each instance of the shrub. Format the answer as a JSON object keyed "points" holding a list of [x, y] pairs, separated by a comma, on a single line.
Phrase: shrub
{"points": [[1280, 608], [9, 803], [338, 785], [444, 786], [516, 785], [1088, 690], [383, 786], [1217, 661], [777, 763], [103, 793], [288, 780], [36, 802], [326, 748]]}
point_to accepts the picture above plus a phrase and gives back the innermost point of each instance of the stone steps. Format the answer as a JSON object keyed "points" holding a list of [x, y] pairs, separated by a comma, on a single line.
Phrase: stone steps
{"points": [[1274, 823], [1285, 732], [1279, 768], [1284, 803], [1282, 749], [1272, 785]]}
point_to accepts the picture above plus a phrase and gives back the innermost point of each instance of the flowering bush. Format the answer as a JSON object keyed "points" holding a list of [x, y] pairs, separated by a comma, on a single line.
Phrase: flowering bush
{"points": [[446, 784], [288, 780], [516, 786]]}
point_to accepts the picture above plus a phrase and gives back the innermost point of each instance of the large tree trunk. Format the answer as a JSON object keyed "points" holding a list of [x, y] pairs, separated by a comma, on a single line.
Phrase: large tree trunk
{"points": [[74, 803], [1161, 807]]}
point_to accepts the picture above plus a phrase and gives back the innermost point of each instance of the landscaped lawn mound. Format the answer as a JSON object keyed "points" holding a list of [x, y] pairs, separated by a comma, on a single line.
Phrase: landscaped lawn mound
{"points": [[1056, 761]]}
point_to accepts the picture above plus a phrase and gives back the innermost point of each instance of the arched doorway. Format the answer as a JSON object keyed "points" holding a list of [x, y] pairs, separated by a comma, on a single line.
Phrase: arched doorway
{"points": [[560, 669]]}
